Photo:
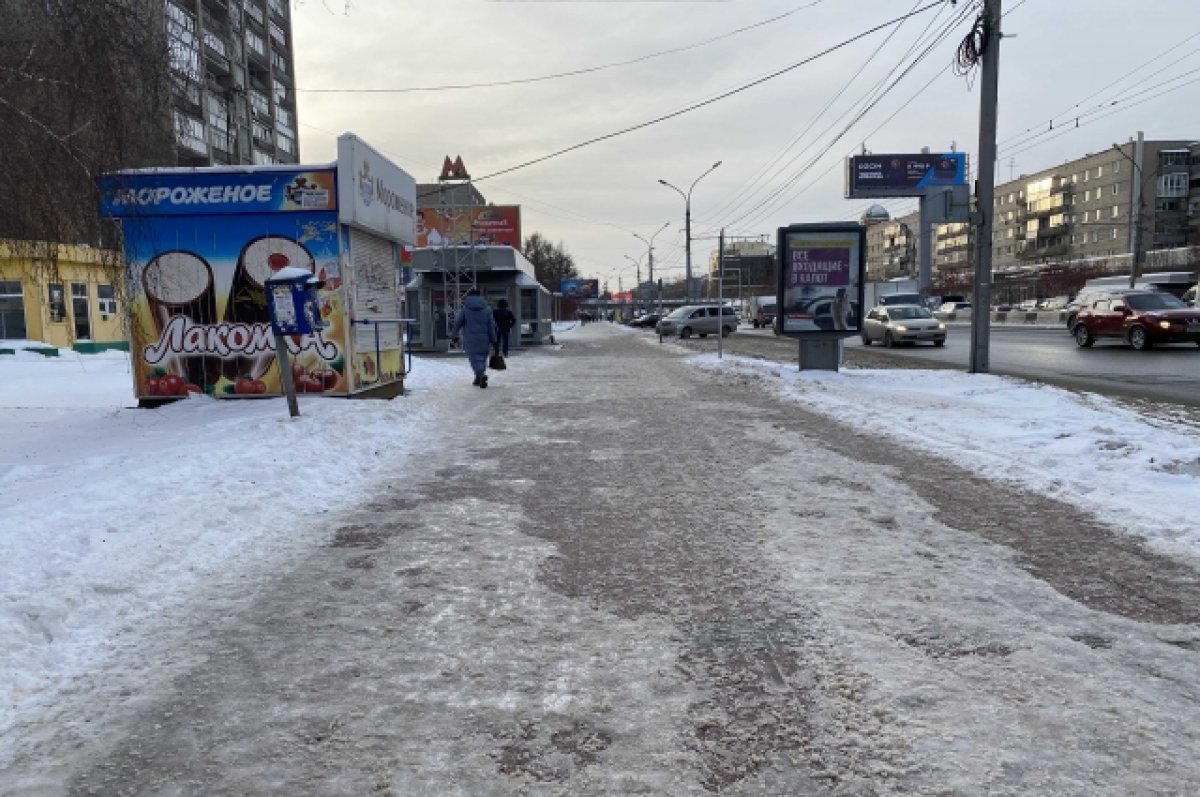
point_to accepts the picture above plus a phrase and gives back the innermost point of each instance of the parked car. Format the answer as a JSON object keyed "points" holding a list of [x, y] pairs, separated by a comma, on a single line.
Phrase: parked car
{"points": [[902, 324], [955, 308], [645, 320], [1144, 318], [696, 320], [900, 298]]}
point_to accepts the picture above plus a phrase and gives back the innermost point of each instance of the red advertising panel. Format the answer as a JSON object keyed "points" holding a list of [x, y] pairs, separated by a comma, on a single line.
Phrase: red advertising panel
{"points": [[492, 225]]}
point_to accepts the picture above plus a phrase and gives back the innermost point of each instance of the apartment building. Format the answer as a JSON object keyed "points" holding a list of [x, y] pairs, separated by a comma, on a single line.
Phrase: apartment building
{"points": [[891, 244], [1080, 211], [233, 67]]}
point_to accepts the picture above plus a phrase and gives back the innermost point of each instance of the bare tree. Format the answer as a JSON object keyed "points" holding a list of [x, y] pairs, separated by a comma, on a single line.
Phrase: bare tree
{"points": [[551, 263], [84, 89]]}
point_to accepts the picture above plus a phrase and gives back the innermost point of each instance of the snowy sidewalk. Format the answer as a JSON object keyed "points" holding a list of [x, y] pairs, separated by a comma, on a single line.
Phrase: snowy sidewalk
{"points": [[615, 573]]}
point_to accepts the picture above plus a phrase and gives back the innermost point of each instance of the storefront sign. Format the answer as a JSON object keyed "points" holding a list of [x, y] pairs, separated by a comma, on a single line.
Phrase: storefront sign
{"points": [[377, 195]]}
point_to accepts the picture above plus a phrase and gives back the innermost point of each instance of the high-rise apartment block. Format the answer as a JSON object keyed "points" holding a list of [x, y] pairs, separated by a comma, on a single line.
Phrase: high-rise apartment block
{"points": [[234, 73]]}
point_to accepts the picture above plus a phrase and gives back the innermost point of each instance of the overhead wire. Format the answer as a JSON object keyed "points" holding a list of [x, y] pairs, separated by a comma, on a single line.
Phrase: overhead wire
{"points": [[1067, 114], [570, 73], [771, 202], [750, 185], [712, 100]]}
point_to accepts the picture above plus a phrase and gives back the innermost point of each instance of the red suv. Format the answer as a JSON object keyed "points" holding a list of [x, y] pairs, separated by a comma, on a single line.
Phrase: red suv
{"points": [[1143, 318]]}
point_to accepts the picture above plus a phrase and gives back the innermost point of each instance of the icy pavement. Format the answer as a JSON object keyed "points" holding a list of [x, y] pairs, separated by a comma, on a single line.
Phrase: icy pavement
{"points": [[614, 573]]}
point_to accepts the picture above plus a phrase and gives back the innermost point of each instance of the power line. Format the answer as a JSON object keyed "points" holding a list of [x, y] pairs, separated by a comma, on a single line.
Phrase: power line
{"points": [[751, 184], [770, 202], [712, 100], [1119, 80], [571, 73]]}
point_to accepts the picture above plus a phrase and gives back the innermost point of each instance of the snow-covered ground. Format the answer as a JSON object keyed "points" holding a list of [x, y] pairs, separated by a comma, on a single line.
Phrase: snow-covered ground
{"points": [[111, 516]]}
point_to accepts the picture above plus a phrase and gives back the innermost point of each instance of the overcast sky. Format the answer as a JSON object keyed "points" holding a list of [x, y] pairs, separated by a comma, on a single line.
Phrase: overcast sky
{"points": [[643, 59]]}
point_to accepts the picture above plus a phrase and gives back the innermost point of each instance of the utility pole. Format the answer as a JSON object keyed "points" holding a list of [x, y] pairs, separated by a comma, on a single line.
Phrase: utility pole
{"points": [[1136, 199], [985, 203]]}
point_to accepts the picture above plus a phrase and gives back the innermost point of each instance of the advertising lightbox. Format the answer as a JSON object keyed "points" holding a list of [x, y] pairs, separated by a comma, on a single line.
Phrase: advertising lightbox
{"points": [[820, 288]]}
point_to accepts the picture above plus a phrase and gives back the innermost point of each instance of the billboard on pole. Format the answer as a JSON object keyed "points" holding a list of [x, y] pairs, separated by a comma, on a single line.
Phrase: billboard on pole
{"points": [[869, 176]]}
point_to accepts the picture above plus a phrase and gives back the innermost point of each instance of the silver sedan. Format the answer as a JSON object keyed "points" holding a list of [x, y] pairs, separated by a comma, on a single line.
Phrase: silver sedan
{"points": [[902, 323]]}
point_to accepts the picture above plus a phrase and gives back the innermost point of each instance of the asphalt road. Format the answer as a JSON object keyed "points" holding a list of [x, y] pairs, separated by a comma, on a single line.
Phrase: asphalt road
{"points": [[1168, 374]]}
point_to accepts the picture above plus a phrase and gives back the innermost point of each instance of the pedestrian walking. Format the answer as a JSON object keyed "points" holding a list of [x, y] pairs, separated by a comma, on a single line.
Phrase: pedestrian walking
{"points": [[505, 321], [478, 330]]}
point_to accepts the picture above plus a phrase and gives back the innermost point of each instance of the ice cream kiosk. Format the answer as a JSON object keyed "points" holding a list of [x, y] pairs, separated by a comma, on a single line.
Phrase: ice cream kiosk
{"points": [[200, 245]]}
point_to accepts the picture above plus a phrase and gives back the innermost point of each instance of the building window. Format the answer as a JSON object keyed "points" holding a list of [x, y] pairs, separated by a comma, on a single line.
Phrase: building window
{"points": [[1116, 188], [58, 302], [106, 299], [189, 132], [255, 12], [261, 158], [286, 143], [1116, 167], [1114, 233], [1116, 211], [1173, 158], [183, 49], [1173, 185], [1095, 236], [256, 42], [1099, 171], [260, 103], [262, 132]]}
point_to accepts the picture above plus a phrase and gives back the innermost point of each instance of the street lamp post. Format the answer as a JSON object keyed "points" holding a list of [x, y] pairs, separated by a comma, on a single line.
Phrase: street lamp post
{"points": [[650, 251], [687, 226], [637, 285], [1135, 199]]}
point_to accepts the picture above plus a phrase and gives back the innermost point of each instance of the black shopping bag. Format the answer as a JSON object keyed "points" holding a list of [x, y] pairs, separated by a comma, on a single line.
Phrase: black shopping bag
{"points": [[496, 363]]}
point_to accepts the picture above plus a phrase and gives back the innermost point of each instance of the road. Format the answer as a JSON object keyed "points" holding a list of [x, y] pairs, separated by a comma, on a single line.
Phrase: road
{"points": [[1169, 374], [541, 608]]}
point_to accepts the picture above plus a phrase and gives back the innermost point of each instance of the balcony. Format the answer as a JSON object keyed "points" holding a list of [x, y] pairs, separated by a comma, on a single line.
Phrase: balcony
{"points": [[1052, 230], [1028, 251]]}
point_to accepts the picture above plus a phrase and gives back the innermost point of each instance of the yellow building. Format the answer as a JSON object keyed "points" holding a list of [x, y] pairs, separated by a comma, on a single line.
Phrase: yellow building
{"points": [[63, 296]]}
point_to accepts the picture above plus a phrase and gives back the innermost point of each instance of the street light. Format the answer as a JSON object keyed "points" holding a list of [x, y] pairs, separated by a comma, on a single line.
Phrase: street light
{"points": [[687, 224], [650, 248], [1136, 210]]}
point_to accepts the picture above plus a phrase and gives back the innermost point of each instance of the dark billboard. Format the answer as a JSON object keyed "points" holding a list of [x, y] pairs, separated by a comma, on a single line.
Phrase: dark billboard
{"points": [[870, 176], [579, 288]]}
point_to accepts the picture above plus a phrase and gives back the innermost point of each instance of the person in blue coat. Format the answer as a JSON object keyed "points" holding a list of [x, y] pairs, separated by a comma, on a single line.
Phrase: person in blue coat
{"points": [[478, 330]]}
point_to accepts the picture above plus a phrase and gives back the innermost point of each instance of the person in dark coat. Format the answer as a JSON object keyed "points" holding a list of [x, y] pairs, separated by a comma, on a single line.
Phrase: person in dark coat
{"points": [[478, 330], [505, 321]]}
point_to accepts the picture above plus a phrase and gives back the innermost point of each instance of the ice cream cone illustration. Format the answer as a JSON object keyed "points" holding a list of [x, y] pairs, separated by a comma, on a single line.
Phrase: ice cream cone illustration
{"points": [[180, 284], [258, 261]]}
